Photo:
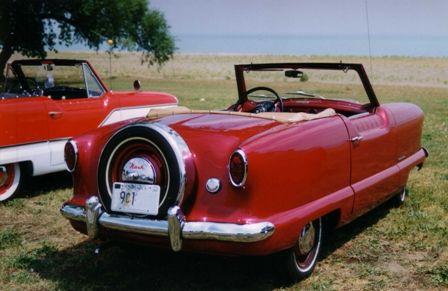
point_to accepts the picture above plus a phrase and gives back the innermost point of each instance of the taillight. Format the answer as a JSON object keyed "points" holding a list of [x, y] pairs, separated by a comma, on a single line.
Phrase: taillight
{"points": [[238, 168], [70, 155]]}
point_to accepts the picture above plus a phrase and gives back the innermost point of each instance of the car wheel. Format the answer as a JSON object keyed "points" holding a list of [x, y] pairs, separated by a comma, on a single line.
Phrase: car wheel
{"points": [[11, 179], [400, 198], [301, 259]]}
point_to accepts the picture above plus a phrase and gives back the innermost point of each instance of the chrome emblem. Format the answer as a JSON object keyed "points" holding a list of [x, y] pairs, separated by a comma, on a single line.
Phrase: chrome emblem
{"points": [[139, 170], [213, 185]]}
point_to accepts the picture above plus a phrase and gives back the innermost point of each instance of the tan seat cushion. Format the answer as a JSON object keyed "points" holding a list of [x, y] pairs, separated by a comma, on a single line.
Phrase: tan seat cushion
{"points": [[278, 116]]}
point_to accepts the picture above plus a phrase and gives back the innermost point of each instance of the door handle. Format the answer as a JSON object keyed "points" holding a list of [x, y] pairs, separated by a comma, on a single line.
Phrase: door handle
{"points": [[54, 114], [356, 139]]}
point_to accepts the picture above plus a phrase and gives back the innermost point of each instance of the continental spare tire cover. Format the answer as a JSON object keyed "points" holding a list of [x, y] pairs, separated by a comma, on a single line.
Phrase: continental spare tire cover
{"points": [[144, 154]]}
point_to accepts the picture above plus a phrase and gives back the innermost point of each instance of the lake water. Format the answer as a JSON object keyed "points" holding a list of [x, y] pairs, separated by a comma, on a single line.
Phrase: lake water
{"points": [[428, 46], [413, 46]]}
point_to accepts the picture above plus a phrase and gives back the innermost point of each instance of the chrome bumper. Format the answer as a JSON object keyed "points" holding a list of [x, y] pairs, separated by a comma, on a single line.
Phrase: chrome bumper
{"points": [[176, 227]]}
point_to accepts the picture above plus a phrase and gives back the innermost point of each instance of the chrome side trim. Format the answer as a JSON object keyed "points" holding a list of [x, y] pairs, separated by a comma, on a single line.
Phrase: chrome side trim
{"points": [[176, 228], [46, 157], [35, 142], [402, 158]]}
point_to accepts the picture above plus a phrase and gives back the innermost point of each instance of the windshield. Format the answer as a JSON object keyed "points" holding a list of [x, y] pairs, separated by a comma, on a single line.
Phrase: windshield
{"points": [[46, 78], [307, 83]]}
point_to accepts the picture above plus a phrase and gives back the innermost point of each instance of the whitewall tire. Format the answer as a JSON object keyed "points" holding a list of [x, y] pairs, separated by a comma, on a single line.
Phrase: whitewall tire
{"points": [[299, 261], [11, 178]]}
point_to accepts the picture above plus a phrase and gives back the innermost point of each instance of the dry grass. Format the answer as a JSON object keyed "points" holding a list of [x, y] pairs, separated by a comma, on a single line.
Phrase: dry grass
{"points": [[430, 72], [388, 249]]}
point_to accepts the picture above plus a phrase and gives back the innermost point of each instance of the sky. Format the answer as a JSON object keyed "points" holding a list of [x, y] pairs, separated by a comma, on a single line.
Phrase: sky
{"points": [[312, 17]]}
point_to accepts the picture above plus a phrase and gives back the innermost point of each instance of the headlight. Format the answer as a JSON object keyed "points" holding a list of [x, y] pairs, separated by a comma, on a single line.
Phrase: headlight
{"points": [[238, 168], [70, 155]]}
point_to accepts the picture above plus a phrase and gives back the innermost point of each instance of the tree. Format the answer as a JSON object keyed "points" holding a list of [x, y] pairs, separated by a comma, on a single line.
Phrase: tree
{"points": [[31, 27]]}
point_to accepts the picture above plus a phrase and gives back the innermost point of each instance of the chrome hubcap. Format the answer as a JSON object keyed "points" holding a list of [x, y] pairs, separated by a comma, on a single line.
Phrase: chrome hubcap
{"points": [[3, 175], [139, 170], [306, 240]]}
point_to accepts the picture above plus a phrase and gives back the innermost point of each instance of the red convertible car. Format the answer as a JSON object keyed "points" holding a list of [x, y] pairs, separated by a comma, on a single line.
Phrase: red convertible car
{"points": [[44, 103], [267, 175]]}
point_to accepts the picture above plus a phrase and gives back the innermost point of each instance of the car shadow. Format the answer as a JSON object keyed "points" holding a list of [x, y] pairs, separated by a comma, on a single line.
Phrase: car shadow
{"points": [[336, 238], [139, 268], [131, 267], [39, 185]]}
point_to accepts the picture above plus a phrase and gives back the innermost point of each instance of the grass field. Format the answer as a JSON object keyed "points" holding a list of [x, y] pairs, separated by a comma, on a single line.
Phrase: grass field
{"points": [[390, 248]]}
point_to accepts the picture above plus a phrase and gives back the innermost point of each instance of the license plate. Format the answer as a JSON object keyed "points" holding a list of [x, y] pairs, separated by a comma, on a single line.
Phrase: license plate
{"points": [[135, 198]]}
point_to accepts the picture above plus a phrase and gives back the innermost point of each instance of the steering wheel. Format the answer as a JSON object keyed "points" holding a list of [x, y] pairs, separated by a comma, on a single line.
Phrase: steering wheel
{"points": [[31, 87], [31, 83], [278, 101]]}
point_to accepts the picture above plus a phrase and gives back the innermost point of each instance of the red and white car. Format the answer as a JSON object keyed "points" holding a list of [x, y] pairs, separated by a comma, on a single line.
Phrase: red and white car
{"points": [[45, 102]]}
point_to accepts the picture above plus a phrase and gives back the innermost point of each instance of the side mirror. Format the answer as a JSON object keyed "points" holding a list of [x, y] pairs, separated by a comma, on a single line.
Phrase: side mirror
{"points": [[293, 74], [48, 67], [137, 85]]}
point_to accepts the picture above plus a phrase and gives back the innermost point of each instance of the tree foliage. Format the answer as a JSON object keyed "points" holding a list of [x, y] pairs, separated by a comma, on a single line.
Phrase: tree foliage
{"points": [[33, 27]]}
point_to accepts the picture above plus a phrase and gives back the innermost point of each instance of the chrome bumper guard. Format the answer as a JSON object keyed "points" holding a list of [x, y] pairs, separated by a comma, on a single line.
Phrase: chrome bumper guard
{"points": [[176, 227]]}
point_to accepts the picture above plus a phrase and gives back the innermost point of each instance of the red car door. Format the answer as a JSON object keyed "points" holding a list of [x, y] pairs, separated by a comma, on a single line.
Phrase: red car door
{"points": [[8, 128], [373, 159], [23, 121], [75, 116], [68, 118]]}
